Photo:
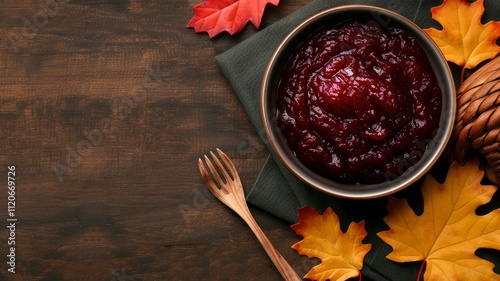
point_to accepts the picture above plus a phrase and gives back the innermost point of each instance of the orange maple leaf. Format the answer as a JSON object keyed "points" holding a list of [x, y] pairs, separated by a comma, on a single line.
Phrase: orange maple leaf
{"points": [[464, 40], [448, 232], [341, 253], [216, 16]]}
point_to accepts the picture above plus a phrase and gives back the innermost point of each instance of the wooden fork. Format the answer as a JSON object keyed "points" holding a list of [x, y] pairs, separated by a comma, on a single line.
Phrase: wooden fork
{"points": [[230, 192]]}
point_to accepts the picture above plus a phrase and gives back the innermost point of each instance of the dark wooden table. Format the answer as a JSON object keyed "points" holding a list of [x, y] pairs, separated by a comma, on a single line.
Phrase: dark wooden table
{"points": [[105, 108]]}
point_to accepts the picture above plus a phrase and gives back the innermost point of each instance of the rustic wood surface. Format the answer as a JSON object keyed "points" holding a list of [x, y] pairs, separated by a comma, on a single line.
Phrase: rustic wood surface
{"points": [[105, 107]]}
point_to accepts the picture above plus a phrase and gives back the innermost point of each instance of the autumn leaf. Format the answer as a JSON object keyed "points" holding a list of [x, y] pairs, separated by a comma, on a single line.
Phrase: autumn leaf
{"points": [[447, 234], [464, 40], [216, 16], [341, 253]]}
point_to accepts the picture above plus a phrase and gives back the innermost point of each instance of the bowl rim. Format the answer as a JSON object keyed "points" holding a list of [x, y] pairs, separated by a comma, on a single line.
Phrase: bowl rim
{"points": [[416, 171]]}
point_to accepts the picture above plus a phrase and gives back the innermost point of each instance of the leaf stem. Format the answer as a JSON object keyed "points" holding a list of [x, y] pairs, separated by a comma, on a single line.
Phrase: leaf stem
{"points": [[360, 276], [462, 75], [421, 270]]}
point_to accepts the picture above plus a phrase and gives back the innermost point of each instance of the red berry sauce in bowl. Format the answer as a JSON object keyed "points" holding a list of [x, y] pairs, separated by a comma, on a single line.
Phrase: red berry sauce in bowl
{"points": [[358, 102]]}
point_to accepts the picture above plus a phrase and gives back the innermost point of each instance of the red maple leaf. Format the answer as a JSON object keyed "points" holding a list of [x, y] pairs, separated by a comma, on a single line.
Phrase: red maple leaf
{"points": [[216, 16]]}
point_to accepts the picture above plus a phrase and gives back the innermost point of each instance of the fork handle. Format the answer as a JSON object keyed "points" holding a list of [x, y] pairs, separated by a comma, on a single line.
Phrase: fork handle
{"points": [[281, 264]]}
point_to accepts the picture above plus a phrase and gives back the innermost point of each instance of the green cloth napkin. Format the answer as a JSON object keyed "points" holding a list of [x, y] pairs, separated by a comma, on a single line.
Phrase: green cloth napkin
{"points": [[277, 190]]}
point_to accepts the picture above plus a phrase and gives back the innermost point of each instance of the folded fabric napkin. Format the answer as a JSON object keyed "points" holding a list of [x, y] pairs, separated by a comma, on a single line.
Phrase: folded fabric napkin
{"points": [[277, 190]]}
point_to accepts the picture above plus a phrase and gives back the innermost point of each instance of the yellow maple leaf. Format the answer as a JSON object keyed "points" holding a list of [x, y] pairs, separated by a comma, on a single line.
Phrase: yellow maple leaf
{"points": [[448, 232], [464, 40], [341, 253]]}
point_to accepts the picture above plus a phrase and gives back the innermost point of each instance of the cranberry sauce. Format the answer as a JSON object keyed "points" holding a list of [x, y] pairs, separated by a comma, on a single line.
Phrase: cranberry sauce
{"points": [[357, 103]]}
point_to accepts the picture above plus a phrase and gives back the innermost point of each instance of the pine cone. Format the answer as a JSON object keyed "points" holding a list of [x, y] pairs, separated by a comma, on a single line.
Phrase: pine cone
{"points": [[477, 124]]}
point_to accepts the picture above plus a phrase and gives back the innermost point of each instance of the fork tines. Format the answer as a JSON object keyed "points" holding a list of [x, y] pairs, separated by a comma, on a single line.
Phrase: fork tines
{"points": [[219, 167]]}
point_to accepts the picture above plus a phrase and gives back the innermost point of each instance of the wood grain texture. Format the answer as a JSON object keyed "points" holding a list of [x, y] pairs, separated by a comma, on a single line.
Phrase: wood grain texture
{"points": [[105, 107]]}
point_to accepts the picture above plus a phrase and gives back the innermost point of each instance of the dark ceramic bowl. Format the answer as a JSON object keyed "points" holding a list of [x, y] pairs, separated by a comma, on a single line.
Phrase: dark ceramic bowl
{"points": [[384, 18]]}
